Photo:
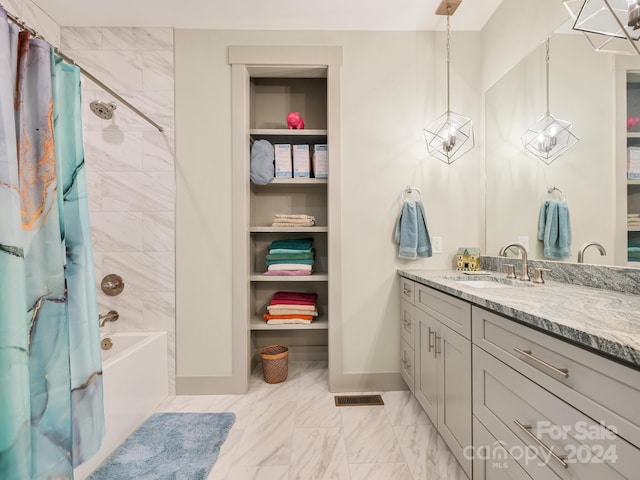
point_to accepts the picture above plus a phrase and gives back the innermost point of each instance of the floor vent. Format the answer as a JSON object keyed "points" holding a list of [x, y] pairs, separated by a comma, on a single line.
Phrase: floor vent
{"points": [[357, 400]]}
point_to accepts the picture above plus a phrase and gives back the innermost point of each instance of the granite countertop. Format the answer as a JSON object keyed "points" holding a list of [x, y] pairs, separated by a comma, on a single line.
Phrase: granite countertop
{"points": [[605, 321]]}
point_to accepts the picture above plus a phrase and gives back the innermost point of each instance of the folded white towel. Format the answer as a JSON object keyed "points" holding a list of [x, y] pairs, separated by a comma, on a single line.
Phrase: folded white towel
{"points": [[289, 266], [293, 216], [291, 311], [291, 224], [633, 215], [289, 320]]}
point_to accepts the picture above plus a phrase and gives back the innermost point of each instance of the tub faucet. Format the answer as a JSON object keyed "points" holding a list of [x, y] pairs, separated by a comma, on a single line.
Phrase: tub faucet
{"points": [[524, 275], [110, 316], [587, 245]]}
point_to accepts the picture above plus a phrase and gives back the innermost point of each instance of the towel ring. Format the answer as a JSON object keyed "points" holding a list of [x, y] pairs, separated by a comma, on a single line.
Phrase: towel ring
{"points": [[409, 191], [551, 189]]}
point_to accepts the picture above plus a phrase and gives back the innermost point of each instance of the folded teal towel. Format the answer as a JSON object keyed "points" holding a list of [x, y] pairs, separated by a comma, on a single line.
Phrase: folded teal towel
{"points": [[309, 261], [291, 256], [288, 250], [411, 232], [292, 243], [633, 253], [554, 229]]}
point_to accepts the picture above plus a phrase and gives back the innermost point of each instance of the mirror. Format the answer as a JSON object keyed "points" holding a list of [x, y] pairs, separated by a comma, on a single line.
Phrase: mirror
{"points": [[582, 90]]}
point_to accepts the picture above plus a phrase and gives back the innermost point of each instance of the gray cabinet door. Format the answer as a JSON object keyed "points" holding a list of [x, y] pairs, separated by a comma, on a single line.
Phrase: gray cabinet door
{"points": [[453, 353], [426, 379]]}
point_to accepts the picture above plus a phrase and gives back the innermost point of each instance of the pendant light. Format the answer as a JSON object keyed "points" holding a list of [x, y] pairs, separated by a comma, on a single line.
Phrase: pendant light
{"points": [[609, 25], [451, 135], [549, 137]]}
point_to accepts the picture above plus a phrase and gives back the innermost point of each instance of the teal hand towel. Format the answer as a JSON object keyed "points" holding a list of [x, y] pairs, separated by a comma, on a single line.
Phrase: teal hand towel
{"points": [[411, 232], [554, 229]]}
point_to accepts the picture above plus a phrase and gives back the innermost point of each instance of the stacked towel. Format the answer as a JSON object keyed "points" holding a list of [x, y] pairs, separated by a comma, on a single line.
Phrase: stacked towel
{"points": [[633, 219], [291, 307], [411, 232], [554, 229], [290, 257], [283, 220]]}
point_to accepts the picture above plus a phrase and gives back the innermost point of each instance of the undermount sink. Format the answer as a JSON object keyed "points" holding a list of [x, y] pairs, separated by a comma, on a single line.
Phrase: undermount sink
{"points": [[483, 284], [489, 281]]}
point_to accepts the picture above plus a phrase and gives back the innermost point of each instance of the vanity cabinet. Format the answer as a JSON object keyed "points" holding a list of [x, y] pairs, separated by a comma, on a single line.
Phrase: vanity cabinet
{"points": [[442, 353], [551, 403]]}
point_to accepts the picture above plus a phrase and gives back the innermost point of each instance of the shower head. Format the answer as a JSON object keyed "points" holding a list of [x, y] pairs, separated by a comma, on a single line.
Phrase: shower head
{"points": [[102, 109]]}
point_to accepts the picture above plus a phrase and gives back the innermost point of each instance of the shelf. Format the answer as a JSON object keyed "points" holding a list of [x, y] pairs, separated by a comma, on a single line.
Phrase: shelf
{"points": [[633, 182], [272, 132], [288, 229], [633, 229], [316, 277], [298, 181], [258, 323]]}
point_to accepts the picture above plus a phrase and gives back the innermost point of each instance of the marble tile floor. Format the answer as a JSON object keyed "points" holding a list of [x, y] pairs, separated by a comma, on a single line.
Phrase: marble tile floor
{"points": [[294, 431]]}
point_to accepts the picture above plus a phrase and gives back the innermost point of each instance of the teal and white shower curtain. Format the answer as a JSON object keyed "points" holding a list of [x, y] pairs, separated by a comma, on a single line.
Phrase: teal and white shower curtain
{"points": [[51, 411]]}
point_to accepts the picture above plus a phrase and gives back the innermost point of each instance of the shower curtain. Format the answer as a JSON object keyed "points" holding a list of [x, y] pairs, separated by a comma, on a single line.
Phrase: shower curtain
{"points": [[51, 413]]}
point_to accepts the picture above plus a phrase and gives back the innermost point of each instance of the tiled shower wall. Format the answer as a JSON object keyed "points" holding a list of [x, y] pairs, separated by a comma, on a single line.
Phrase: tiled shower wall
{"points": [[130, 173]]}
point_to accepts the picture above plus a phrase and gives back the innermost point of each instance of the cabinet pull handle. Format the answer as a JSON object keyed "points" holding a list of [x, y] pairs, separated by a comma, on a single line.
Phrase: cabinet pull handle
{"points": [[436, 340], [431, 339], [563, 372], [407, 289], [527, 429], [405, 362], [407, 323]]}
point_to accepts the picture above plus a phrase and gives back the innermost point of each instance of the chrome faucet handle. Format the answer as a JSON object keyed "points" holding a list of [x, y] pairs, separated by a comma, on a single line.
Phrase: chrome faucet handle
{"points": [[537, 278], [511, 270]]}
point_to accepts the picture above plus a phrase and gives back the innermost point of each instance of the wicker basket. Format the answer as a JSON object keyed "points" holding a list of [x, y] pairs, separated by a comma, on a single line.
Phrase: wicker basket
{"points": [[275, 363]]}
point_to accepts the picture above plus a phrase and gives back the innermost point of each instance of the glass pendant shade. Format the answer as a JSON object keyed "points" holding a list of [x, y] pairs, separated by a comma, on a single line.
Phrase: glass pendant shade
{"points": [[549, 138], [449, 136], [609, 25]]}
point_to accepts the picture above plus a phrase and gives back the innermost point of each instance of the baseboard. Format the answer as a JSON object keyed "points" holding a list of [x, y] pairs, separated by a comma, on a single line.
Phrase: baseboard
{"points": [[366, 382], [211, 385]]}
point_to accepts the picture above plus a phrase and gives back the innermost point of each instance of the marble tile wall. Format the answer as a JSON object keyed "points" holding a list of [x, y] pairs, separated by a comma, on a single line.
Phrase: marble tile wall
{"points": [[130, 173], [35, 18]]}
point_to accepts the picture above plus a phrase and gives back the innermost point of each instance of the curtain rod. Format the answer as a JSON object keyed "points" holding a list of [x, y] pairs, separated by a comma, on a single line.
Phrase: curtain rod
{"points": [[91, 77]]}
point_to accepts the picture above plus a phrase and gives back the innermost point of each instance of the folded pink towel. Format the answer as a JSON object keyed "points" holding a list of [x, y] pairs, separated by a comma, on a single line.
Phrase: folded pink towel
{"points": [[293, 298], [284, 273]]}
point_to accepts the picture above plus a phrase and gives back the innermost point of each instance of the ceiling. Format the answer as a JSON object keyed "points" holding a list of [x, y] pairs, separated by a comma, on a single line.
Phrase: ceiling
{"points": [[268, 15]]}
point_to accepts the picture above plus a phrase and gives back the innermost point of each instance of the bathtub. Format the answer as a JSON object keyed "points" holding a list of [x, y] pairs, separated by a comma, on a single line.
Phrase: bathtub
{"points": [[135, 381]]}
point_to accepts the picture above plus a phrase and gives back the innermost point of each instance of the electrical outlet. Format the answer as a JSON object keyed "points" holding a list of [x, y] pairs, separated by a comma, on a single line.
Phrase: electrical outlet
{"points": [[524, 241], [436, 244]]}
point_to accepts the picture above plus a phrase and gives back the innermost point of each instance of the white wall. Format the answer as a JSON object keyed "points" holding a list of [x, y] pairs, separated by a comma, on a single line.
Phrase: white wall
{"points": [[514, 30], [393, 84]]}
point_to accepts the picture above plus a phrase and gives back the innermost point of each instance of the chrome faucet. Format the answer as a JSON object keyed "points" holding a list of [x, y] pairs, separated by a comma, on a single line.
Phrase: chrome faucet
{"points": [[110, 316], [587, 245], [524, 275]]}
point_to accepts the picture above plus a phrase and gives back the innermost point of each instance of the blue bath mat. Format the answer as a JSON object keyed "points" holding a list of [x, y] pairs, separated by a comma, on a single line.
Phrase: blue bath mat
{"points": [[181, 446]]}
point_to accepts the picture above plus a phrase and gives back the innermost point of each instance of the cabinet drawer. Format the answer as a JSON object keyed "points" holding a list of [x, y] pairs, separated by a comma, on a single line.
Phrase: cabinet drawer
{"points": [[491, 461], [601, 388], [454, 313], [407, 363], [506, 402], [407, 322], [407, 290]]}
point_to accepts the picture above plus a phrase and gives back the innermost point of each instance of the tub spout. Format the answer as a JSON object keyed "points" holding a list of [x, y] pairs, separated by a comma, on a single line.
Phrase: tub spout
{"points": [[110, 316]]}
